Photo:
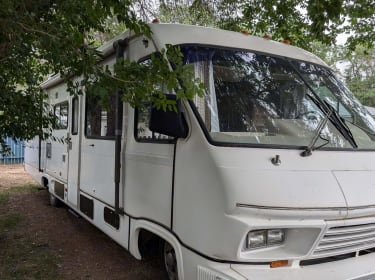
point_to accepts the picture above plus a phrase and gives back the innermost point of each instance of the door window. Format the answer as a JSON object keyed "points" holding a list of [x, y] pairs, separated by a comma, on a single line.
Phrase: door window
{"points": [[61, 112], [100, 117]]}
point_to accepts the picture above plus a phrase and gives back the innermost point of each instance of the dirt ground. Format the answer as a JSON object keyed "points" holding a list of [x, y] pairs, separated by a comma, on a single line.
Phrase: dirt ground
{"points": [[13, 175], [78, 249]]}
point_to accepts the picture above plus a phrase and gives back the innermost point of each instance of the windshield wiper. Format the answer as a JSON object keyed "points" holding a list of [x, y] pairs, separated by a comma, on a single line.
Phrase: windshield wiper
{"points": [[330, 114], [308, 150], [338, 122]]}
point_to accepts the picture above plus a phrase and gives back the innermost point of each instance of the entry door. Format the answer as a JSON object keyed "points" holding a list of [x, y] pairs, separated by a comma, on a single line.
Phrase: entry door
{"points": [[56, 148], [74, 150]]}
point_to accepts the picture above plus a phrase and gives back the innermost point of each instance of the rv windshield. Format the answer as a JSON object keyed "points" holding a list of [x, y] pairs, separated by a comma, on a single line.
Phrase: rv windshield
{"points": [[254, 98]]}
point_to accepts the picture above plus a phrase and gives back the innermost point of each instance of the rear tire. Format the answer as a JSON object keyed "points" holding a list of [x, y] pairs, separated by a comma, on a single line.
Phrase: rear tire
{"points": [[170, 262], [54, 201]]}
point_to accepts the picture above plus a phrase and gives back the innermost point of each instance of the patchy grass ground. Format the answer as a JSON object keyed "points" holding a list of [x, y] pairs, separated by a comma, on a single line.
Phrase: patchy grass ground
{"points": [[38, 241], [21, 256]]}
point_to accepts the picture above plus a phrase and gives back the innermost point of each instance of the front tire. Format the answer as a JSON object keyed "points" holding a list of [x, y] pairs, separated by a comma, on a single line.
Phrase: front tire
{"points": [[170, 262]]}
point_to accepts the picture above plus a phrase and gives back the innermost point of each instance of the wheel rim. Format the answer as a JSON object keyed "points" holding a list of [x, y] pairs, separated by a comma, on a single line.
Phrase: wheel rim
{"points": [[170, 262]]}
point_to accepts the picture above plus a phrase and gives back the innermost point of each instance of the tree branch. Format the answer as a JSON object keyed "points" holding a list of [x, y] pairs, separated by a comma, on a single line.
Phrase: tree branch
{"points": [[117, 79], [36, 31]]}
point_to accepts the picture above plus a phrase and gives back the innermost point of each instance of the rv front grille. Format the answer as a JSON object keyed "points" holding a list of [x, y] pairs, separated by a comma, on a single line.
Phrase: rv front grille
{"points": [[340, 240]]}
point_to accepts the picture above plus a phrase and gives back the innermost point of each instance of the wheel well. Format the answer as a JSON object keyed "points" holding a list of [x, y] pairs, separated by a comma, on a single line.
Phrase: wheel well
{"points": [[150, 245], [45, 182]]}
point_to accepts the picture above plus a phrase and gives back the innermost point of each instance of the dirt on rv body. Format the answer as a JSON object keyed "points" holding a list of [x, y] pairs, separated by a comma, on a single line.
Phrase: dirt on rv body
{"points": [[38, 241]]}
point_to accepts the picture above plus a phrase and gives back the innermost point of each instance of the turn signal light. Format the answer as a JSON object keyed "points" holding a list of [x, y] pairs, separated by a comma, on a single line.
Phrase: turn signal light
{"points": [[279, 263]]}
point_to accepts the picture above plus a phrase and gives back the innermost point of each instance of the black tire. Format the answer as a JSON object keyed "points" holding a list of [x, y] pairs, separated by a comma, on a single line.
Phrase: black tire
{"points": [[170, 262], [54, 201]]}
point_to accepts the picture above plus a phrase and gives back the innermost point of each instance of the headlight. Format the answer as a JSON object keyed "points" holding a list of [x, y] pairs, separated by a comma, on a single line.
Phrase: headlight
{"points": [[257, 238], [275, 236], [264, 238]]}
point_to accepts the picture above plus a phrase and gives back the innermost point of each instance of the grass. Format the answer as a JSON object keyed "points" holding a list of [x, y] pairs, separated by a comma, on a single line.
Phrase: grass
{"points": [[8, 222], [21, 256], [25, 259], [6, 193]]}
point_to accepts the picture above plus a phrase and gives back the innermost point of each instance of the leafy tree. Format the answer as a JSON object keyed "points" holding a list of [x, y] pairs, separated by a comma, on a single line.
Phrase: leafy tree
{"points": [[300, 21], [360, 74], [40, 37], [356, 67], [198, 13], [305, 21]]}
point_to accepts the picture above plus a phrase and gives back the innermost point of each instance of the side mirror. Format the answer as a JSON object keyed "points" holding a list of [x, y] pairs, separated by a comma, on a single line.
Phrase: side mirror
{"points": [[169, 123]]}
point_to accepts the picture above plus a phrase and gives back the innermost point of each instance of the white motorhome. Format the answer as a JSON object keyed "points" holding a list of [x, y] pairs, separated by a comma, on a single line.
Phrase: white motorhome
{"points": [[270, 175]]}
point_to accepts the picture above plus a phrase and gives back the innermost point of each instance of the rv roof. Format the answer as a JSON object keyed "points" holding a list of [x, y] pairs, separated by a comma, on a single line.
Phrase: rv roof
{"points": [[179, 34]]}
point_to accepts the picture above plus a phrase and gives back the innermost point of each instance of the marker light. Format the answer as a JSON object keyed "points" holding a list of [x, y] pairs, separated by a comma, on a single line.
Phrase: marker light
{"points": [[267, 37], [280, 263], [264, 238]]}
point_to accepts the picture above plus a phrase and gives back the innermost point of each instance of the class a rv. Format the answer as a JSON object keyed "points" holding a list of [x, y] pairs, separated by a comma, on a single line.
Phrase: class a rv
{"points": [[269, 175]]}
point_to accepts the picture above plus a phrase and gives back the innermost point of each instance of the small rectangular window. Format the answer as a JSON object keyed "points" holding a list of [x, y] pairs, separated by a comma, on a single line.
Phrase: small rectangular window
{"points": [[48, 150], [100, 117], [61, 111], [75, 115]]}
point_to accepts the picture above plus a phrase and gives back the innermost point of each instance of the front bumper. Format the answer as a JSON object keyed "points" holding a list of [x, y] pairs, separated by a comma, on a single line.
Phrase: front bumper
{"points": [[358, 268], [354, 268], [343, 250]]}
